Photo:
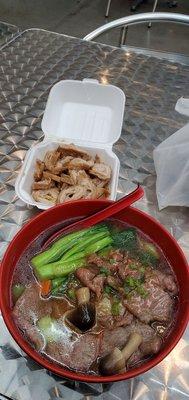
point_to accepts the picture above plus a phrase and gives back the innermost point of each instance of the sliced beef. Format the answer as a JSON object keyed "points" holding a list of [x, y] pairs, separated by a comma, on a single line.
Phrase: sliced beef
{"points": [[88, 278], [75, 352], [30, 307], [147, 348], [27, 310], [116, 255], [123, 320], [94, 269], [165, 281], [85, 276], [118, 337], [157, 306], [104, 314], [98, 284], [128, 267], [114, 281], [96, 260], [151, 346]]}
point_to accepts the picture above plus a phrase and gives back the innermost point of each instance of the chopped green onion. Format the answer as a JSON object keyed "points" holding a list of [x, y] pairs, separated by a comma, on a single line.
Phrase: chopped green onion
{"points": [[104, 271], [71, 294], [133, 265], [116, 308], [109, 290], [132, 285]]}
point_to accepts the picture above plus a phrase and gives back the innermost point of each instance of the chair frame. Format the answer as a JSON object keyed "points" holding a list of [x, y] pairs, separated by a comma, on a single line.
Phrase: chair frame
{"points": [[138, 19]]}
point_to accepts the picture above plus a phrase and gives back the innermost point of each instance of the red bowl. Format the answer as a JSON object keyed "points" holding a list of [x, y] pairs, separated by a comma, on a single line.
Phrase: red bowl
{"points": [[132, 216]]}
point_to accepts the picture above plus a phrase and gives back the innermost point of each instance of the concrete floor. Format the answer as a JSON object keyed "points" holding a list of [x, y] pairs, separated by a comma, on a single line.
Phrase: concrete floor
{"points": [[78, 17]]}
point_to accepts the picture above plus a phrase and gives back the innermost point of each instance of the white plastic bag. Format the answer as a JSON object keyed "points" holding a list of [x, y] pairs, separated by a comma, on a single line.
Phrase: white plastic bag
{"points": [[171, 159]]}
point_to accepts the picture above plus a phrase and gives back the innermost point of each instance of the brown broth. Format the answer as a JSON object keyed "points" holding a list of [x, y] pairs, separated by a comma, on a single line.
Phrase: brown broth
{"points": [[23, 274]]}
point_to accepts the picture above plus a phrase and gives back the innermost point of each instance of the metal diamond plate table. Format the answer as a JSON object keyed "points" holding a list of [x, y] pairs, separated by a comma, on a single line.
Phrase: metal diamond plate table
{"points": [[30, 64], [7, 32]]}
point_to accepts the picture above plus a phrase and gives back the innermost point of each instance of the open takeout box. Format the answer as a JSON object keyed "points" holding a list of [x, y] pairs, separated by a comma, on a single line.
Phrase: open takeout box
{"points": [[85, 113]]}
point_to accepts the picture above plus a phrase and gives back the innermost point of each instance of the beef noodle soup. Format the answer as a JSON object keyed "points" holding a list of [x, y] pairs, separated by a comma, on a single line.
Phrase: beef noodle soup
{"points": [[98, 301]]}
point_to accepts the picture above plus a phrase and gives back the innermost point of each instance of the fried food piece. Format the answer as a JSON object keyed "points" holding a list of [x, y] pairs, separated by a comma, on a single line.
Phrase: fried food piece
{"points": [[54, 177], [39, 168], [84, 179], [63, 178], [98, 193], [79, 163], [72, 193], [47, 196], [66, 179], [97, 159], [72, 174], [72, 150], [44, 184], [50, 160], [62, 164], [101, 170], [99, 182]]}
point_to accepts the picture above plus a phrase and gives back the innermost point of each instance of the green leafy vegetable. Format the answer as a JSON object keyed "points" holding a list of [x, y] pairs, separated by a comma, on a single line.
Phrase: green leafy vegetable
{"points": [[150, 248], [64, 244], [104, 252], [59, 285], [147, 259], [57, 269], [89, 245], [58, 282], [148, 254], [126, 240], [75, 251]]}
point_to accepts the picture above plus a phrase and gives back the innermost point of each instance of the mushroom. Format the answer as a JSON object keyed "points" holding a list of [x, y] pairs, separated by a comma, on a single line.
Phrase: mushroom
{"points": [[115, 362], [83, 316]]}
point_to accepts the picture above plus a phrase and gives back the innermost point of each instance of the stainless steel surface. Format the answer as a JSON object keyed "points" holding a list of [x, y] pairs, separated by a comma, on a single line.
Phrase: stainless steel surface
{"points": [[30, 65], [162, 55], [7, 32], [138, 19]]}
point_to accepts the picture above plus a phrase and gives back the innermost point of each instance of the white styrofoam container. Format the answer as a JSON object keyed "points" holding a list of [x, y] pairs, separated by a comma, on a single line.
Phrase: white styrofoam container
{"points": [[85, 113]]}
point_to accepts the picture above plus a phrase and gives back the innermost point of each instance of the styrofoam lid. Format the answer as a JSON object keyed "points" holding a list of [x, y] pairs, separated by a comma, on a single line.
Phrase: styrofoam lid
{"points": [[84, 110]]}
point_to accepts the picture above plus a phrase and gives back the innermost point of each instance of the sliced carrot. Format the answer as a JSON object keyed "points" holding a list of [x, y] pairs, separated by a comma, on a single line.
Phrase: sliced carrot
{"points": [[45, 287]]}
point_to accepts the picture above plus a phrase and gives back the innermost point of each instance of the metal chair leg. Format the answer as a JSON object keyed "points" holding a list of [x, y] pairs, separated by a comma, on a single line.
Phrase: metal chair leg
{"points": [[108, 8], [123, 34], [153, 10]]}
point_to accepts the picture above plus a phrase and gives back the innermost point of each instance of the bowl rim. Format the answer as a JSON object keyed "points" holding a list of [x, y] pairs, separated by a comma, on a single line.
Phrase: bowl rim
{"points": [[58, 369]]}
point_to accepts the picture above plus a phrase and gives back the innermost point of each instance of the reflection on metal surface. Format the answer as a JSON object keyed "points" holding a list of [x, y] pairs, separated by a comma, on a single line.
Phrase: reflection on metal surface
{"points": [[29, 66]]}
